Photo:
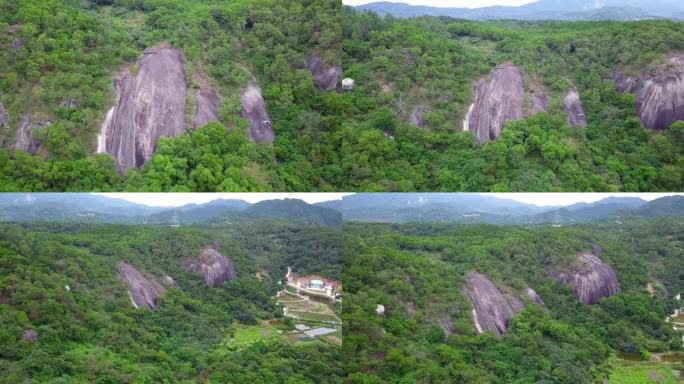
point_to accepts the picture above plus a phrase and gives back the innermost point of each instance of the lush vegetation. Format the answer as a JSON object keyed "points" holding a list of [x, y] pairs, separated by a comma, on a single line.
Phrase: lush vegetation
{"points": [[360, 140], [431, 63], [417, 271], [91, 332], [71, 49]]}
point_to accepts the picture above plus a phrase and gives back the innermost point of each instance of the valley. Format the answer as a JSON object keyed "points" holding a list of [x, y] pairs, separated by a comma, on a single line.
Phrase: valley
{"points": [[191, 302], [467, 301]]}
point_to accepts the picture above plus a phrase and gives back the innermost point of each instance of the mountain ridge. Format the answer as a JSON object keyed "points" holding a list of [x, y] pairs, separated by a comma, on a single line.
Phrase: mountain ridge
{"points": [[540, 10]]}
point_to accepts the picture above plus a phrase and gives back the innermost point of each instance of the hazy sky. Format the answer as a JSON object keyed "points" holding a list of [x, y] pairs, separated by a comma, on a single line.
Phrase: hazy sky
{"points": [[572, 198], [448, 3], [178, 199]]}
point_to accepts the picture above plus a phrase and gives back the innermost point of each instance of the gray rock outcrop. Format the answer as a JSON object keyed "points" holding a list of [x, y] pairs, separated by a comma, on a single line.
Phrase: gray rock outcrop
{"points": [[326, 77], [492, 310], [254, 111], [573, 108], [141, 290], [417, 117], [214, 266], [17, 43], [30, 335], [659, 94], [535, 298], [206, 107], [149, 104], [25, 139], [497, 100], [4, 125], [591, 278], [539, 101]]}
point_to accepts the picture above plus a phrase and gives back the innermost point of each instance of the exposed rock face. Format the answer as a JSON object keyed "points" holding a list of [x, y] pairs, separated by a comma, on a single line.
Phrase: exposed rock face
{"points": [[148, 105], [532, 294], [29, 335], [500, 99], [538, 103], [348, 84], [254, 111], [592, 279], [214, 266], [25, 140], [492, 311], [3, 123], [417, 117], [573, 108], [17, 43], [206, 107], [659, 94], [141, 290], [325, 77]]}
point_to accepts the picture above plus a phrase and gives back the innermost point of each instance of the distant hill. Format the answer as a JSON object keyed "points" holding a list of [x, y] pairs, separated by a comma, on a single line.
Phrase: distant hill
{"points": [[665, 206], [294, 210], [70, 207], [85, 207], [544, 10], [402, 207], [477, 208]]}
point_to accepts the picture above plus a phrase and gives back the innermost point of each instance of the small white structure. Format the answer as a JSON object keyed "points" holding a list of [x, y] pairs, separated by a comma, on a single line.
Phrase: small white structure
{"points": [[348, 84], [380, 309], [67, 287]]}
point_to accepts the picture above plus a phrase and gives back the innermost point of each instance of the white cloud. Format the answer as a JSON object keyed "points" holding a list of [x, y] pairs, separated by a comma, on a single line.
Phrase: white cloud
{"points": [[178, 199], [448, 3]]}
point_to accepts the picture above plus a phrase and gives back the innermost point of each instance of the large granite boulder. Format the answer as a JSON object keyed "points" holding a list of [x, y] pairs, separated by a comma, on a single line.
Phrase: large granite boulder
{"points": [[214, 266], [590, 277], [573, 108], [254, 111], [149, 104], [498, 99], [326, 77], [143, 291], [659, 93], [207, 103], [492, 310]]}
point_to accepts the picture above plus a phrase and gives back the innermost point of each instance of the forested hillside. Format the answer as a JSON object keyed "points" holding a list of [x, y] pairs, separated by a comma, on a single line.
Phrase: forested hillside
{"points": [[418, 79], [429, 279], [62, 65], [66, 315]]}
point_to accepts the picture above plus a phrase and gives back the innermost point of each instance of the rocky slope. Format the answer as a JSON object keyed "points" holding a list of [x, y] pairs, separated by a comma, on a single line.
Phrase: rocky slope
{"points": [[254, 111], [206, 107], [659, 93], [492, 311], [326, 77], [214, 266], [498, 99], [25, 140], [141, 290], [591, 278], [573, 108], [149, 104], [535, 298]]}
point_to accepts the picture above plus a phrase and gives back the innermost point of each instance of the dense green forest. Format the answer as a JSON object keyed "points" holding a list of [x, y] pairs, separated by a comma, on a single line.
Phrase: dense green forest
{"points": [[70, 50], [432, 63], [417, 272], [62, 55], [60, 280]]}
